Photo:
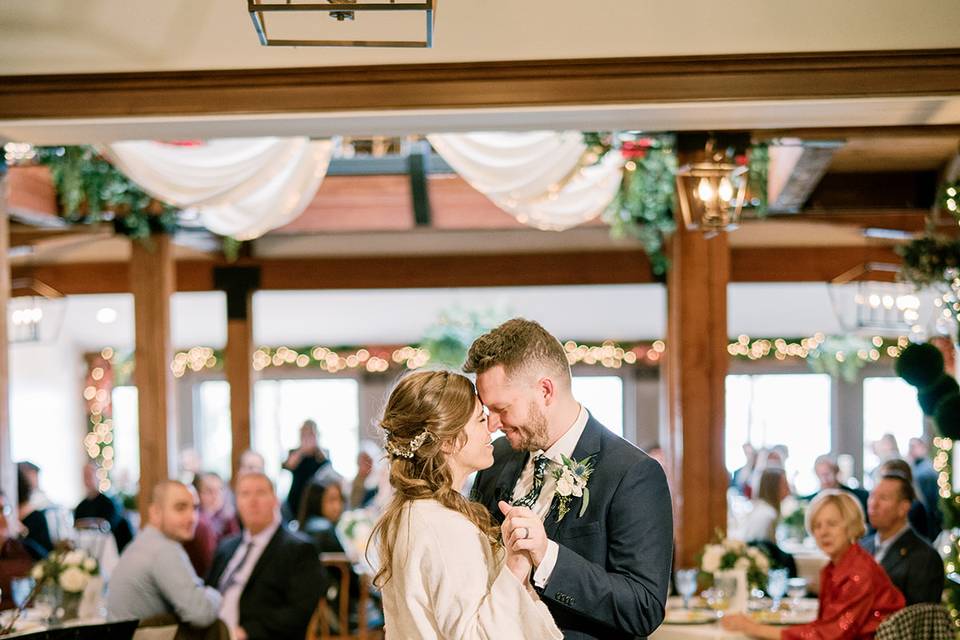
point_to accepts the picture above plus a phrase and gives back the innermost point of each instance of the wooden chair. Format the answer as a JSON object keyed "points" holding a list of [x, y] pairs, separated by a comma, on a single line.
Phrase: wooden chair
{"points": [[321, 627]]}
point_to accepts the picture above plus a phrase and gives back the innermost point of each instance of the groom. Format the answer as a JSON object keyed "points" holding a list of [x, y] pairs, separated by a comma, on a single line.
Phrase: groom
{"points": [[601, 558]]}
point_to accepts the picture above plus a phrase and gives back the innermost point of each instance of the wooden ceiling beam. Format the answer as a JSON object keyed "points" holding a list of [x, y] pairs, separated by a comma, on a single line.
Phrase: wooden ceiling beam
{"points": [[524, 83], [771, 264]]}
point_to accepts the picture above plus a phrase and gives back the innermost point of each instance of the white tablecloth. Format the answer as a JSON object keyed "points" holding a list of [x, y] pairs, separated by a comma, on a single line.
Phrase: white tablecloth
{"points": [[695, 632]]}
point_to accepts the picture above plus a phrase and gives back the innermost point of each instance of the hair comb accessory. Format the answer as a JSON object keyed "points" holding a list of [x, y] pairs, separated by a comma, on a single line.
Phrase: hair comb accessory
{"points": [[407, 452]]}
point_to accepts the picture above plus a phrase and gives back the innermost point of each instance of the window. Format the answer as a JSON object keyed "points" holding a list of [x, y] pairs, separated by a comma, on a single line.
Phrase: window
{"points": [[126, 439], [211, 406], [787, 409], [281, 406], [889, 406], [603, 397]]}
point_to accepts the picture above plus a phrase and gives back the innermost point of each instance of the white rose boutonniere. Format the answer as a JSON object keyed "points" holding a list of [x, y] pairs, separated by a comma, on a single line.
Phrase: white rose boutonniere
{"points": [[572, 476]]}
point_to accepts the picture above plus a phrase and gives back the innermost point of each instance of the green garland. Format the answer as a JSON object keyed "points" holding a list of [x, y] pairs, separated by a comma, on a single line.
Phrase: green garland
{"points": [[90, 189], [926, 260], [644, 206]]}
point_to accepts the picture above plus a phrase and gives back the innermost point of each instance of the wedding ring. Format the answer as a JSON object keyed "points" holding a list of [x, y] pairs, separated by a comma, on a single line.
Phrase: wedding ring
{"points": [[526, 532]]}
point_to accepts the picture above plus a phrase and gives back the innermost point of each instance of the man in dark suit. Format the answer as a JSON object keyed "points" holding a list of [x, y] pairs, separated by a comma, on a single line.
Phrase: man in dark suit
{"points": [[602, 549], [913, 565], [270, 578]]}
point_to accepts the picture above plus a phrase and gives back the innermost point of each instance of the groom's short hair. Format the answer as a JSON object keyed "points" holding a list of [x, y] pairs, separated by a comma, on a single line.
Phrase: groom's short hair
{"points": [[518, 345]]}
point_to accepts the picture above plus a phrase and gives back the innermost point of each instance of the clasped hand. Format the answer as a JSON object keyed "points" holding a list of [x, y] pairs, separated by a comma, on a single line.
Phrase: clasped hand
{"points": [[524, 539]]}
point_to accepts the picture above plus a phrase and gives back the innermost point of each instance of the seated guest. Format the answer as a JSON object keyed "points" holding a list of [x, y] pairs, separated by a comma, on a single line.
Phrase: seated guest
{"points": [[913, 565], [215, 522], [364, 488], [153, 576], [855, 593], [97, 505], [36, 537], [216, 506], [761, 522], [15, 560], [320, 511], [201, 548], [270, 578], [251, 462], [925, 479], [828, 472], [920, 517]]}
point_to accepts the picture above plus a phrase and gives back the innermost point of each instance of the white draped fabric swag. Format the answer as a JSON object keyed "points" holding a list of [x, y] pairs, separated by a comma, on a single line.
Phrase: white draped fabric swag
{"points": [[536, 176], [237, 187]]}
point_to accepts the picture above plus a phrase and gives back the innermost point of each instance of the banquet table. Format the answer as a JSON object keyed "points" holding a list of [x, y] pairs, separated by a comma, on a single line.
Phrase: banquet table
{"points": [[713, 631]]}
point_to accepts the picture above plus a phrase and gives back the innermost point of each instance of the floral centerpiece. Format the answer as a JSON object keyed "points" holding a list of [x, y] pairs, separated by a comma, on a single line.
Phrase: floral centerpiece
{"points": [[64, 575], [734, 554]]}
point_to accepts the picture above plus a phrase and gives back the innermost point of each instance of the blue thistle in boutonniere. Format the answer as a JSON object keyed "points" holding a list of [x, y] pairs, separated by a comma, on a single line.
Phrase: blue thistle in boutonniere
{"points": [[572, 476]]}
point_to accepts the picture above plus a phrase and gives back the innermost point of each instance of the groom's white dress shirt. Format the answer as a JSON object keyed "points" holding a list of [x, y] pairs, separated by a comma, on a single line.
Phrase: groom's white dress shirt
{"points": [[562, 447]]}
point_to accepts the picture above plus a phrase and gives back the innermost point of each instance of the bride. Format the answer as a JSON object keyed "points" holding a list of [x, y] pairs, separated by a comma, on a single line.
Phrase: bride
{"points": [[443, 571]]}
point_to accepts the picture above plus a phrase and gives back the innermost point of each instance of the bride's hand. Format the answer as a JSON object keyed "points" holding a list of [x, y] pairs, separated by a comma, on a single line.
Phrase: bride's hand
{"points": [[520, 565], [518, 561]]}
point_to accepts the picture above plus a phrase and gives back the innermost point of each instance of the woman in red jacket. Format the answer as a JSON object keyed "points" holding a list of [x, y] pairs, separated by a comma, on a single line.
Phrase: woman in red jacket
{"points": [[855, 592]]}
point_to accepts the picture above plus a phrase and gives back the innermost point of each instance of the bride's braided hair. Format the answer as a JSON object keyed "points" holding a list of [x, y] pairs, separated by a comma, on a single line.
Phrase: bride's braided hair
{"points": [[425, 410]]}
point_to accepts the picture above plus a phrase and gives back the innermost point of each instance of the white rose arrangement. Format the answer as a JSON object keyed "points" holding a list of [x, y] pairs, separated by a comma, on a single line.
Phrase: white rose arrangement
{"points": [[726, 553], [71, 569]]}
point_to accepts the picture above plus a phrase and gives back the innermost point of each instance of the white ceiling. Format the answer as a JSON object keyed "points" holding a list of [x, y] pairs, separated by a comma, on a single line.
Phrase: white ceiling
{"points": [[66, 36], [588, 313]]}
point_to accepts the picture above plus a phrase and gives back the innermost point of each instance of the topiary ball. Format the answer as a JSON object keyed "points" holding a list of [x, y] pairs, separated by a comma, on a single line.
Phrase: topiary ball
{"points": [[947, 417], [920, 364], [930, 397]]}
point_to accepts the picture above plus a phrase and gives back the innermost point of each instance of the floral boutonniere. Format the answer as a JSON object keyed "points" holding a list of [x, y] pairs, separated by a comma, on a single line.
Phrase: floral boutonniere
{"points": [[572, 476]]}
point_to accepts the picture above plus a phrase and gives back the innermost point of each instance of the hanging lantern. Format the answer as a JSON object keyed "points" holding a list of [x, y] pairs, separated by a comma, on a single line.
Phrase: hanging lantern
{"points": [[711, 194]]}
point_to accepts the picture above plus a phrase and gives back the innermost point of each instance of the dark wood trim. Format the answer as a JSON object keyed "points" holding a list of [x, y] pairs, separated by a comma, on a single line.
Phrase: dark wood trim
{"points": [[527, 83], [748, 264]]}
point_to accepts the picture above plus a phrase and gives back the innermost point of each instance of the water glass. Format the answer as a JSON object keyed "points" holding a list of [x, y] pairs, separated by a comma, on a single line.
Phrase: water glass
{"points": [[20, 589], [797, 590], [777, 586], [686, 582]]}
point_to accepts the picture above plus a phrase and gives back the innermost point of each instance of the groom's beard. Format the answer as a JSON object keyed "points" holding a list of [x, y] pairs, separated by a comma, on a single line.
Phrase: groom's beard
{"points": [[533, 435]]}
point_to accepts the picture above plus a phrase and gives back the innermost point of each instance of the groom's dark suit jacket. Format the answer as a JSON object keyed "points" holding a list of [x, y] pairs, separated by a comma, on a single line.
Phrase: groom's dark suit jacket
{"points": [[283, 589], [612, 572]]}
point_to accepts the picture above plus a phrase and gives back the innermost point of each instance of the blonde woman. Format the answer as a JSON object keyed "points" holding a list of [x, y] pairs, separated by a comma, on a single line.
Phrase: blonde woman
{"points": [[855, 593], [444, 573]]}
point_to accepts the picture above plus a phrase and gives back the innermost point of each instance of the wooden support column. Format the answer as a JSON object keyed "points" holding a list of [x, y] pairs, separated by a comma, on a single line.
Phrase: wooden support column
{"points": [[239, 283], [152, 281], [8, 476], [696, 369]]}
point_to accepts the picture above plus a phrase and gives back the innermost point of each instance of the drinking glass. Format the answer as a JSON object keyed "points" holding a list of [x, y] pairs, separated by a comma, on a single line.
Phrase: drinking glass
{"points": [[687, 585], [777, 586], [796, 590], [20, 589]]}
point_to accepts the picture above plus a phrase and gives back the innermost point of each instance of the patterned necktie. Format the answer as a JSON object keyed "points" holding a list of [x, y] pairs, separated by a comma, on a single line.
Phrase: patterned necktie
{"points": [[228, 580], [539, 469]]}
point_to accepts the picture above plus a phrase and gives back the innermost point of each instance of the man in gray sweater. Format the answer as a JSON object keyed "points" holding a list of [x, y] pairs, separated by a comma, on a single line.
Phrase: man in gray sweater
{"points": [[154, 576]]}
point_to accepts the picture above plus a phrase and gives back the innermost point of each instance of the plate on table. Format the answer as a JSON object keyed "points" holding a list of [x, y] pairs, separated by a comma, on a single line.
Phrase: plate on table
{"points": [[690, 616], [783, 617]]}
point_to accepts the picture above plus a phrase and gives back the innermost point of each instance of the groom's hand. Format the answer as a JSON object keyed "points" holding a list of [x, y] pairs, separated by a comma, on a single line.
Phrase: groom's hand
{"points": [[520, 518]]}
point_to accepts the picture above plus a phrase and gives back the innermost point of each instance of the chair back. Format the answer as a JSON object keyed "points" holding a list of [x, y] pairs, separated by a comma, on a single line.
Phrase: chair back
{"points": [[326, 624], [930, 621], [122, 630], [94, 536]]}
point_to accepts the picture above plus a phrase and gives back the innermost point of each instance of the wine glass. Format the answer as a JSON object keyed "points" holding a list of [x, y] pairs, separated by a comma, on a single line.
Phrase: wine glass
{"points": [[796, 590], [687, 584], [777, 586]]}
